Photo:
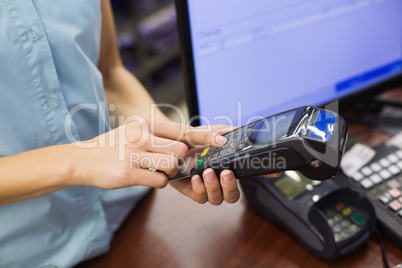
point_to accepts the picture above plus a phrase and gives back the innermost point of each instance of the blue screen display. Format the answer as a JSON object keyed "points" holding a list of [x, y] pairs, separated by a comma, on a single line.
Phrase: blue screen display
{"points": [[324, 126], [261, 57]]}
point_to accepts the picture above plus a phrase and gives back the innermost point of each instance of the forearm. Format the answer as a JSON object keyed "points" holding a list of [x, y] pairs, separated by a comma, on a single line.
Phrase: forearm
{"points": [[36, 173], [128, 96], [122, 89]]}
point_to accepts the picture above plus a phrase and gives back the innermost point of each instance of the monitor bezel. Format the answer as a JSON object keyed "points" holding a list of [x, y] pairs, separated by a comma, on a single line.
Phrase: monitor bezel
{"points": [[187, 59]]}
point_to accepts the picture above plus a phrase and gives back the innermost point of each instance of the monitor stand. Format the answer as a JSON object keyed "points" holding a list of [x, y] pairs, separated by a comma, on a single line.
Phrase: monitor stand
{"points": [[382, 113]]}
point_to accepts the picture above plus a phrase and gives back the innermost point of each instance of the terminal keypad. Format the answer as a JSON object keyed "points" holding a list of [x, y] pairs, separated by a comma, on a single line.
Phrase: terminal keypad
{"points": [[344, 220]]}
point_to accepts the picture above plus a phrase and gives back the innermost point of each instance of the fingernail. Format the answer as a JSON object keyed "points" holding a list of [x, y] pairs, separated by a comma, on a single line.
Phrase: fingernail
{"points": [[228, 177], [209, 176], [220, 140], [197, 180]]}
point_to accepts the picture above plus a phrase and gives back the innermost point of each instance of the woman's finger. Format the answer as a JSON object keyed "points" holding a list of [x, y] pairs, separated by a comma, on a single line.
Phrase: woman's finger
{"points": [[166, 146], [147, 177], [208, 135], [167, 164], [213, 187], [199, 190], [231, 193]]}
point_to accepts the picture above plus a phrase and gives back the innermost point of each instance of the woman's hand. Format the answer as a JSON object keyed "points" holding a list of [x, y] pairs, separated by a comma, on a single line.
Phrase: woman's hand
{"points": [[141, 152], [211, 189], [148, 152]]}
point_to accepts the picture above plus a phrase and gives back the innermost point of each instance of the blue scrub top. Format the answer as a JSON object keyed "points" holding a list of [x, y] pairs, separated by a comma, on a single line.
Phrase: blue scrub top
{"points": [[48, 66]]}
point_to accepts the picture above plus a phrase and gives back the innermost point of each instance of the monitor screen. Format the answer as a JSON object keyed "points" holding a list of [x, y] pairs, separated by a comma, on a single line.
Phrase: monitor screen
{"points": [[255, 58]]}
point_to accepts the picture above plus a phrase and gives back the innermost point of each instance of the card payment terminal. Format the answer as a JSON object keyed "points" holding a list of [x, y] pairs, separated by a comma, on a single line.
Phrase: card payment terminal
{"points": [[325, 218], [307, 139]]}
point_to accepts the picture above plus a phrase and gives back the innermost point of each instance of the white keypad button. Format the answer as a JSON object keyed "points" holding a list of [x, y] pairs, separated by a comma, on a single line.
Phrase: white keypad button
{"points": [[399, 153], [337, 228], [376, 167], [345, 223], [399, 164], [358, 176], [393, 158], [367, 171], [376, 179], [384, 162], [385, 174], [394, 169], [366, 183]]}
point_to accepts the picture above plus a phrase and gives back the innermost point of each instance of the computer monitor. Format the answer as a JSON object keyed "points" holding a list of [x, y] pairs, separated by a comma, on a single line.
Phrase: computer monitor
{"points": [[249, 58]]}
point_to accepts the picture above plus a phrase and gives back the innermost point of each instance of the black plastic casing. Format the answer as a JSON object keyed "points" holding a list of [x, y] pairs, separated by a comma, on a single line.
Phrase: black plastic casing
{"points": [[304, 218], [298, 152]]}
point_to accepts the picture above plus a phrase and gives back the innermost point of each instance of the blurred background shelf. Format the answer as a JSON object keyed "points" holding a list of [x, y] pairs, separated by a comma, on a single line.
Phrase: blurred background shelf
{"points": [[149, 46]]}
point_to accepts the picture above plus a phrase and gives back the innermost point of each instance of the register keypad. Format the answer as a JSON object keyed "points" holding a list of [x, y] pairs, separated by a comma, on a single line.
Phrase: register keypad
{"points": [[380, 171], [391, 197], [382, 180]]}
